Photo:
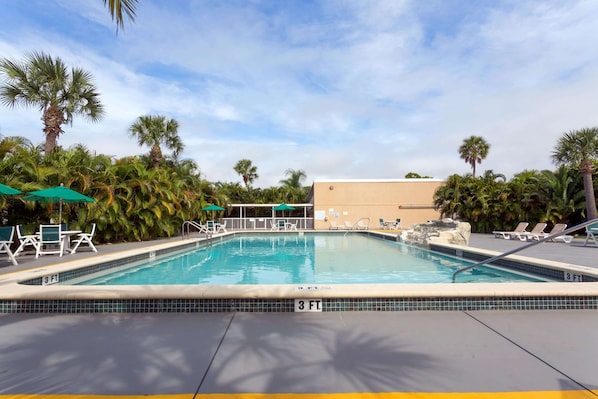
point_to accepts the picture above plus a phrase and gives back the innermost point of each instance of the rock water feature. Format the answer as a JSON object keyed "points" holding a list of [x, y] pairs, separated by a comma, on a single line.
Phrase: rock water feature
{"points": [[446, 231]]}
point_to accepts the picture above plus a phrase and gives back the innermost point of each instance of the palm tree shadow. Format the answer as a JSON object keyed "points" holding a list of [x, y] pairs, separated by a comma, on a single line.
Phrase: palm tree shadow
{"points": [[287, 353], [106, 353]]}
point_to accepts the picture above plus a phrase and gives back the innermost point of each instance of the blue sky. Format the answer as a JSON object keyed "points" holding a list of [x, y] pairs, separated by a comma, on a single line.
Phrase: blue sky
{"points": [[341, 89]]}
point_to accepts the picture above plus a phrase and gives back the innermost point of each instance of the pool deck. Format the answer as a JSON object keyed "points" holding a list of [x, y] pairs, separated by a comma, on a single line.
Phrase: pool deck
{"points": [[490, 354]]}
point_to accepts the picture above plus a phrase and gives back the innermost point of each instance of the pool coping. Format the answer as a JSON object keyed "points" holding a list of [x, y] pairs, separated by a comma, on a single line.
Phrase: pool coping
{"points": [[17, 297]]}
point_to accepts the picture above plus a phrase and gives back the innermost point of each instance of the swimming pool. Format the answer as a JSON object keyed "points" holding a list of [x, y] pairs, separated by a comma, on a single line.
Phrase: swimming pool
{"points": [[38, 290], [301, 259]]}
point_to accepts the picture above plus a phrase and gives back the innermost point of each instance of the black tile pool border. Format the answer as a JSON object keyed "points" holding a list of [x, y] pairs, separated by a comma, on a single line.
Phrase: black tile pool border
{"points": [[205, 305]]}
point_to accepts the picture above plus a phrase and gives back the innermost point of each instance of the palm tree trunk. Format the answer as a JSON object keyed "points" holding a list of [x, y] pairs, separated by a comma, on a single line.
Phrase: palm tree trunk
{"points": [[53, 119], [156, 156], [588, 187]]}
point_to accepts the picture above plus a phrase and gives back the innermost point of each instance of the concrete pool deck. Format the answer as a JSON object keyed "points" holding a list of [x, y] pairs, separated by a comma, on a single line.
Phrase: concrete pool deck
{"points": [[490, 354]]}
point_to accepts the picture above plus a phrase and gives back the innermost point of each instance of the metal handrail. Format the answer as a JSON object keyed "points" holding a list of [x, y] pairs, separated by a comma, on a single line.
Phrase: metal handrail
{"points": [[188, 223], [530, 244]]}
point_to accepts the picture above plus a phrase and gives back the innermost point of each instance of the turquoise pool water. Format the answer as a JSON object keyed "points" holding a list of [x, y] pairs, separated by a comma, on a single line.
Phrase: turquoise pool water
{"points": [[302, 259]]}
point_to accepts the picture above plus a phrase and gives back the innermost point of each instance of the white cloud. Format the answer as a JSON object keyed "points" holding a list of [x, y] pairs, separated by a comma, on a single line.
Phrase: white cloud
{"points": [[339, 89]]}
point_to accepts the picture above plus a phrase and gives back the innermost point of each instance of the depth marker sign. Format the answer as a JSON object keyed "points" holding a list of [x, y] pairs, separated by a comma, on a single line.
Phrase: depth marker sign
{"points": [[308, 305]]}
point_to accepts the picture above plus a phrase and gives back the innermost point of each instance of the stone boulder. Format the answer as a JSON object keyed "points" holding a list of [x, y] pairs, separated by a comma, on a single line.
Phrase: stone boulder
{"points": [[437, 231]]}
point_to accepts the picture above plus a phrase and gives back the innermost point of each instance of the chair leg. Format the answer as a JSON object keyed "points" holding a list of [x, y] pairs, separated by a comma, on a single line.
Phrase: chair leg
{"points": [[74, 249], [80, 241], [4, 246]]}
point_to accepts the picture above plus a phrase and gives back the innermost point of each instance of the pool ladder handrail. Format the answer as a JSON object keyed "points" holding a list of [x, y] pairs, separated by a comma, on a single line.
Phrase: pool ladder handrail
{"points": [[529, 244], [192, 223]]}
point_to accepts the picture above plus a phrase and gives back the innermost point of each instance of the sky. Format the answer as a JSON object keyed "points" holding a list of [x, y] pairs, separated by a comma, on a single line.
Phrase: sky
{"points": [[341, 89]]}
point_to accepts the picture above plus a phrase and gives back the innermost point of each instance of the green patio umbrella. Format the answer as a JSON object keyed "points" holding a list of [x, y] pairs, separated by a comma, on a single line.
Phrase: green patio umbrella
{"points": [[283, 207], [5, 190], [212, 207], [58, 194]]}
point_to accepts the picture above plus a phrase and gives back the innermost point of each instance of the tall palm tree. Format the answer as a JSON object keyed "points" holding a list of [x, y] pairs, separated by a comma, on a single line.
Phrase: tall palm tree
{"points": [[292, 189], [295, 179], [46, 83], [473, 150], [579, 149], [152, 130], [117, 7], [247, 171]]}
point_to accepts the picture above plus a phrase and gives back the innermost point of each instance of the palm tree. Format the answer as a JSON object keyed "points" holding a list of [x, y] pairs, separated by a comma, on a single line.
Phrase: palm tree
{"points": [[11, 145], [579, 149], [247, 171], [117, 7], [473, 150], [46, 83], [562, 195], [152, 130], [292, 189], [295, 179]]}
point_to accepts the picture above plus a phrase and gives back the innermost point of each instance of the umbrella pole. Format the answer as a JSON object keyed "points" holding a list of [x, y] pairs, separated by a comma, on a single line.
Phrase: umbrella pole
{"points": [[60, 213]]}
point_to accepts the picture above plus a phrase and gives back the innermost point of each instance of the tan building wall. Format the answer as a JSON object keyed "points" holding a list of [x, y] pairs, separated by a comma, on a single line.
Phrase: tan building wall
{"points": [[411, 200]]}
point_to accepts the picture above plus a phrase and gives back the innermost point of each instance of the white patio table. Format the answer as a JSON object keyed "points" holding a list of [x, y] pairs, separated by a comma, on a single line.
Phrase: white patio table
{"points": [[66, 236]]}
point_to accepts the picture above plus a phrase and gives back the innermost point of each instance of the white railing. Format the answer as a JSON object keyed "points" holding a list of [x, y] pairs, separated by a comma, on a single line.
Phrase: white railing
{"points": [[265, 223]]}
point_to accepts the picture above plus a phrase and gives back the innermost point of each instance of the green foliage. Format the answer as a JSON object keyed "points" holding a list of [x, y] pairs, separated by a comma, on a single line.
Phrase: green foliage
{"points": [[133, 202], [492, 203], [413, 175]]}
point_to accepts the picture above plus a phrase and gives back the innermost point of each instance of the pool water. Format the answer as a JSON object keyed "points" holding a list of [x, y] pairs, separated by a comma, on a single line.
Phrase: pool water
{"points": [[303, 259]]}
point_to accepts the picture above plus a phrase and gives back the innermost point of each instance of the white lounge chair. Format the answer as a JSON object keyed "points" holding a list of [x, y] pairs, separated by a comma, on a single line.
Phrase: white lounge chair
{"points": [[559, 227], [333, 225], [348, 225], [507, 234], [528, 235], [361, 225], [290, 226], [50, 240], [85, 238], [6, 235], [26, 240]]}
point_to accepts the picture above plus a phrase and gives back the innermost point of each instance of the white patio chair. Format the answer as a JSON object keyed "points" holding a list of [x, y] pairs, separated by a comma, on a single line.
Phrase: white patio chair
{"points": [[26, 240], [6, 235], [278, 224], [50, 240], [221, 227], [85, 238], [203, 228]]}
